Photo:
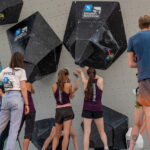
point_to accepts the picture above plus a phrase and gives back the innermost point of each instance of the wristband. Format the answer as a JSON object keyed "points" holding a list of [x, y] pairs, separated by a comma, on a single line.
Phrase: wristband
{"points": [[26, 104], [77, 76]]}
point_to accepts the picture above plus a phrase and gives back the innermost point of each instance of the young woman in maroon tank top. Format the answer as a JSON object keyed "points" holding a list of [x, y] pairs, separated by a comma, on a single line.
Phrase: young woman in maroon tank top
{"points": [[64, 114], [92, 108], [29, 119]]}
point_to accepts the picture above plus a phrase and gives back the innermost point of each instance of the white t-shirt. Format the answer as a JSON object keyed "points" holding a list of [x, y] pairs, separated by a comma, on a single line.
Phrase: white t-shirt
{"points": [[11, 78]]}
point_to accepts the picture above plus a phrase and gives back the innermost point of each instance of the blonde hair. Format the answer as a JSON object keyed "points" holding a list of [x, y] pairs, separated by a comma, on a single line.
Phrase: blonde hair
{"points": [[62, 78]]}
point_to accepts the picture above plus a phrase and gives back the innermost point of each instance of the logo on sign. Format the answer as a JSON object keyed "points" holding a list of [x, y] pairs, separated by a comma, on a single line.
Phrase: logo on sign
{"points": [[97, 10], [91, 11], [88, 8], [20, 33]]}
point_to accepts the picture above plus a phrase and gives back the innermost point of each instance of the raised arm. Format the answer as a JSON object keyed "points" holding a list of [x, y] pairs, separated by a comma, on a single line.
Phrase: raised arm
{"points": [[100, 83], [71, 91], [76, 86], [83, 78]]}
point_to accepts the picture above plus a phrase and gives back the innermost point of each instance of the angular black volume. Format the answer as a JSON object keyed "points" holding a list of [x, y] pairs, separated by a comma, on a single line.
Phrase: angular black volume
{"points": [[10, 11], [95, 34], [41, 47]]}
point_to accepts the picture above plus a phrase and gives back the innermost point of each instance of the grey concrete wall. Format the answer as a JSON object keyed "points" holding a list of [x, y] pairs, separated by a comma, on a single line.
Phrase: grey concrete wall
{"points": [[119, 79]]}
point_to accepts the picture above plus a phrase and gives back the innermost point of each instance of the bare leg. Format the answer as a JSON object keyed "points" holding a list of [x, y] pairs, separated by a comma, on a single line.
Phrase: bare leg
{"points": [[147, 116], [26, 144], [100, 126], [49, 139], [138, 119], [87, 131], [67, 126], [57, 136], [74, 138]]}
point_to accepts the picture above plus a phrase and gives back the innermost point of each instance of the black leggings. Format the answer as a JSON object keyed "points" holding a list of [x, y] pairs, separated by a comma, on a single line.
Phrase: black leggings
{"points": [[29, 125]]}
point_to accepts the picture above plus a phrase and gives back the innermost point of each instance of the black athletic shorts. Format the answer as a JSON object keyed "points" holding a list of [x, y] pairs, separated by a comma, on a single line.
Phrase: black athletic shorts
{"points": [[92, 114], [29, 125], [64, 114]]}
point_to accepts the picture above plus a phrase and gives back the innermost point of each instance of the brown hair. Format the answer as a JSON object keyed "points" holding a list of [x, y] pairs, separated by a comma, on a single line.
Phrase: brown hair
{"points": [[89, 90], [62, 78], [16, 60], [144, 21]]}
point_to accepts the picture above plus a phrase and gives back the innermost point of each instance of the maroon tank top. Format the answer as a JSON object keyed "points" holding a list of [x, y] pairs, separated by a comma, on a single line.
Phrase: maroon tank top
{"points": [[31, 104], [94, 104], [61, 97]]}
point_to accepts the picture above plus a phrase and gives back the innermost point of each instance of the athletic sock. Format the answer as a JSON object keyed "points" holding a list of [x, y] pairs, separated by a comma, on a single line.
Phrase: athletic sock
{"points": [[106, 148]]}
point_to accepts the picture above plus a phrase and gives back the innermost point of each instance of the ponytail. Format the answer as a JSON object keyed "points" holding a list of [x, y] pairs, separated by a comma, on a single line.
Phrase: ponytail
{"points": [[62, 78], [67, 74], [89, 90]]}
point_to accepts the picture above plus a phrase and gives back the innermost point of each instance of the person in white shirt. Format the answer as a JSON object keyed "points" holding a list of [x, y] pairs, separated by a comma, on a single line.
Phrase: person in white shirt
{"points": [[14, 81]]}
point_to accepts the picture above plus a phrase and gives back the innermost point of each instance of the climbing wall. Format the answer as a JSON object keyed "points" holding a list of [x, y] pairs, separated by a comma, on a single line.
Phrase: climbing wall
{"points": [[119, 79]]}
